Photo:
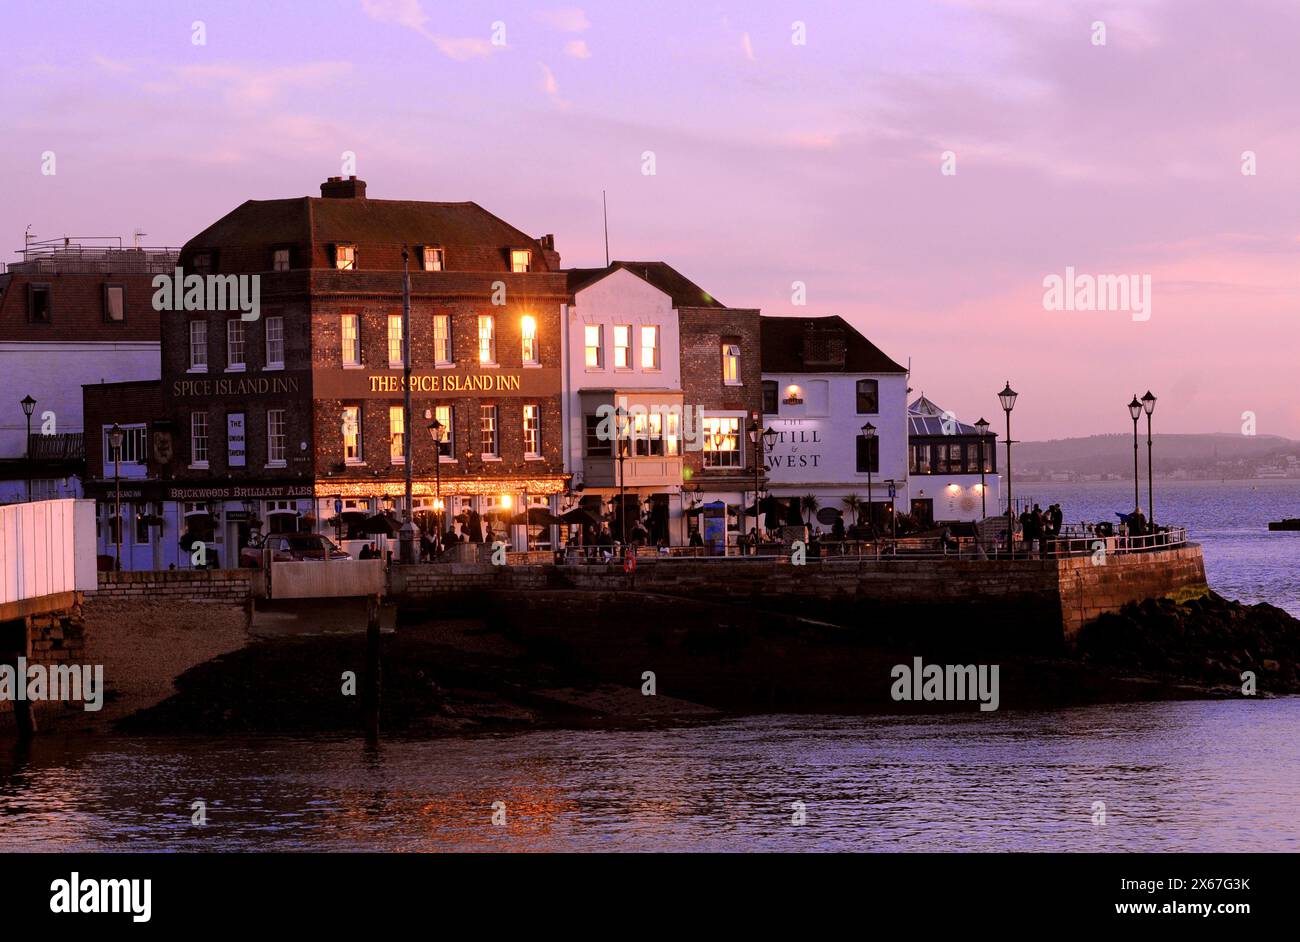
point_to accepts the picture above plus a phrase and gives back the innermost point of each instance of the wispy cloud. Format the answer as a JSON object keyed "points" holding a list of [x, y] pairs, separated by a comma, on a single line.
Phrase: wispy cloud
{"points": [[410, 14], [748, 46], [566, 19], [577, 49]]}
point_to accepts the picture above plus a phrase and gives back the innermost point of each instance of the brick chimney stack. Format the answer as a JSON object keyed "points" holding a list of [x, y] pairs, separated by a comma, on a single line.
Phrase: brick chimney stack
{"points": [[339, 189], [548, 251]]}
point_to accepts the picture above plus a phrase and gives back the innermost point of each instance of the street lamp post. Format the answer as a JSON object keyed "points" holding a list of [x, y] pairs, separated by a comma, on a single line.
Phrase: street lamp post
{"points": [[409, 533], [1149, 406], [115, 436], [983, 426], [869, 434], [29, 405], [1008, 399], [438, 432], [620, 421], [1135, 410]]}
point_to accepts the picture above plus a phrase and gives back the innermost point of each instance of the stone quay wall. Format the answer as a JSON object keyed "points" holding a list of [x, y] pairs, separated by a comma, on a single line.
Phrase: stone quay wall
{"points": [[219, 586]]}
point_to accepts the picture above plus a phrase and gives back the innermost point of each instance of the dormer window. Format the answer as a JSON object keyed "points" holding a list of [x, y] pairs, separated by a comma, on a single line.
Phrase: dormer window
{"points": [[521, 260], [433, 258], [280, 260], [202, 263], [345, 256]]}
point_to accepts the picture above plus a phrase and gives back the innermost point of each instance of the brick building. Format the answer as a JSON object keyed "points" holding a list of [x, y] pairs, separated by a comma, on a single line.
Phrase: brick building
{"points": [[72, 311], [292, 416]]}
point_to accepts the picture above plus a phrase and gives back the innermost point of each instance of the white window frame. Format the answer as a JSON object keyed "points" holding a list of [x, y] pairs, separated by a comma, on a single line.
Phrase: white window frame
{"points": [[489, 423], [739, 451], [358, 439], [351, 357], [345, 256], [199, 442], [280, 260], [198, 364], [446, 414], [625, 348], [434, 259], [521, 261], [396, 434], [444, 353], [236, 344], [135, 444], [652, 348], [487, 342], [531, 350], [395, 322], [731, 364], [274, 343], [532, 431], [277, 453], [598, 347]]}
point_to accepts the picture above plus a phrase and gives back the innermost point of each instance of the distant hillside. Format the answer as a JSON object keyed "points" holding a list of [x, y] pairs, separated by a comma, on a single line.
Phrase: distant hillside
{"points": [[1233, 455]]}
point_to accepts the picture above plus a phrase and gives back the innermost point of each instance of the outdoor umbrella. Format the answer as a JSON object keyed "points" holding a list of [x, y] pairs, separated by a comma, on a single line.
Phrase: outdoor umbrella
{"points": [[579, 515], [827, 515], [535, 517], [380, 525]]}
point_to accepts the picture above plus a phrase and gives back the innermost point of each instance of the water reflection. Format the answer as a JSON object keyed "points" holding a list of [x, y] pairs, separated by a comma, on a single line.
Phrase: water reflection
{"points": [[1174, 776]]}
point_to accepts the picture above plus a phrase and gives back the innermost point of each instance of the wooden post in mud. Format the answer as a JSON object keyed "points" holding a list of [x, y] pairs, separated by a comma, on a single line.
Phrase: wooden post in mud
{"points": [[370, 692]]}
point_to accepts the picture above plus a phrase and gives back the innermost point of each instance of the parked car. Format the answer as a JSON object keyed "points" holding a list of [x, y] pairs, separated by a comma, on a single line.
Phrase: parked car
{"points": [[291, 547]]}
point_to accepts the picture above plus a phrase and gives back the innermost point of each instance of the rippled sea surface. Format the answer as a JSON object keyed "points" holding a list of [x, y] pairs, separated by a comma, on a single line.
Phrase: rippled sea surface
{"points": [[1195, 776], [1190, 776]]}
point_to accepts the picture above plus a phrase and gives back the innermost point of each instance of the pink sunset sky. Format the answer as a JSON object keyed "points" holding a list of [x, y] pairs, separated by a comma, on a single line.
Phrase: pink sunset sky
{"points": [[775, 162]]}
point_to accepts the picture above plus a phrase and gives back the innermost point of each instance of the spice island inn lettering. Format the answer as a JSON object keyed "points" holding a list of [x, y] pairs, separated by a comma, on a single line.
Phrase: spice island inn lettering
{"points": [[451, 382], [245, 386]]}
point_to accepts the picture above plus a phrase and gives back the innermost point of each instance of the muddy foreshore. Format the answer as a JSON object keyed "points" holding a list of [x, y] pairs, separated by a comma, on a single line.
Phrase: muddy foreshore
{"points": [[510, 661]]}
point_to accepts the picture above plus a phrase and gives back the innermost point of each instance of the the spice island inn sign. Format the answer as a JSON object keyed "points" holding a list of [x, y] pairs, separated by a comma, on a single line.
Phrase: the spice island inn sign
{"points": [[363, 384]]}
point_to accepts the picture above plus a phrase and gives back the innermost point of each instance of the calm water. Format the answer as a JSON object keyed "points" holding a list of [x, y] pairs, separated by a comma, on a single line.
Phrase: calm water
{"points": [[1243, 560], [1192, 776]]}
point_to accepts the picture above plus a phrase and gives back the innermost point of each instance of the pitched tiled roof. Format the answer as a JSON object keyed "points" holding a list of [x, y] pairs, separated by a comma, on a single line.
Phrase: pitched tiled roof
{"points": [[473, 238], [683, 291], [820, 345]]}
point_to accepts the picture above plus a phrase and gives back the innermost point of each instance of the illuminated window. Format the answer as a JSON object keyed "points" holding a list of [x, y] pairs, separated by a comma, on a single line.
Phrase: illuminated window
{"points": [[622, 347], [442, 340], [275, 437], [595, 359], [487, 339], [447, 416], [521, 260], [528, 329], [351, 333], [672, 434], [397, 434], [721, 442], [345, 256], [532, 431], [731, 364], [352, 435], [488, 430], [395, 359], [274, 343], [650, 348], [433, 259]]}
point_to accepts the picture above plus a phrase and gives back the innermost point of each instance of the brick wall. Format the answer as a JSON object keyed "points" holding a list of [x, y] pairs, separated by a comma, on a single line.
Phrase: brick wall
{"points": [[214, 586], [1088, 590], [50, 639], [703, 332]]}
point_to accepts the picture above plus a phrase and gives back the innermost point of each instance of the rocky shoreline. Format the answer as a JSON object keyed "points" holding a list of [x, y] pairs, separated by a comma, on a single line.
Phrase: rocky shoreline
{"points": [[501, 667]]}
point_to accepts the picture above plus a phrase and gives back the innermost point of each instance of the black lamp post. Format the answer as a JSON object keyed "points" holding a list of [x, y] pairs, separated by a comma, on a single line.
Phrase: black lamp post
{"points": [[620, 438], [755, 434], [983, 426], [1008, 399], [869, 433], [115, 436], [29, 405], [438, 432], [1135, 410], [1149, 406]]}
